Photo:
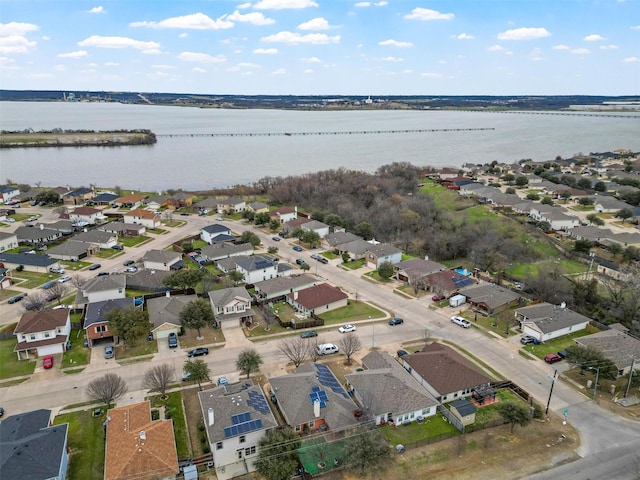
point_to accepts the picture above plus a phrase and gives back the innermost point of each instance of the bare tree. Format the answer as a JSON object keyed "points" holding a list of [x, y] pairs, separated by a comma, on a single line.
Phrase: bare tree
{"points": [[350, 345], [295, 349], [107, 389], [56, 292], [35, 301], [77, 281], [313, 350], [158, 379]]}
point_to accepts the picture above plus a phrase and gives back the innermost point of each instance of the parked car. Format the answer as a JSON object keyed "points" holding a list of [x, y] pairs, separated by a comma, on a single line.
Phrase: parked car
{"points": [[315, 256], [118, 246], [527, 339], [32, 218], [1, 411], [95, 266], [131, 269], [563, 353], [64, 278], [552, 358], [102, 274], [402, 353], [297, 248], [438, 297], [47, 362], [223, 381], [56, 270], [126, 263], [185, 376], [463, 322], [173, 340], [48, 285], [300, 261], [347, 328], [326, 349], [196, 352], [275, 239], [16, 298], [309, 334], [396, 321], [108, 352], [11, 220], [323, 260]]}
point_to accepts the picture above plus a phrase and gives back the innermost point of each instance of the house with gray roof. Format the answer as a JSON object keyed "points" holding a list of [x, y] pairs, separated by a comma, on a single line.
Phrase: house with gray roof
{"points": [[124, 229], [257, 268], [445, 373], [606, 204], [490, 298], [32, 448], [379, 253], [312, 399], [164, 313], [545, 321], [98, 237], [36, 236], [210, 232], [236, 417], [339, 238], [30, 262], [96, 322], [73, 251], [148, 280], [228, 264], [8, 192], [231, 205], [414, 270], [8, 241], [276, 288], [322, 229], [356, 249], [63, 226], [231, 306], [218, 251], [104, 199], [258, 207], [161, 260], [98, 289], [616, 345], [388, 393], [559, 220]]}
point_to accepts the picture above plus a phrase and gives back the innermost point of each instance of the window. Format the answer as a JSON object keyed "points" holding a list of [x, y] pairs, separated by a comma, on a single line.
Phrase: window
{"points": [[32, 336], [249, 451], [242, 438], [101, 328], [47, 334], [312, 424], [219, 446], [239, 454], [297, 428]]}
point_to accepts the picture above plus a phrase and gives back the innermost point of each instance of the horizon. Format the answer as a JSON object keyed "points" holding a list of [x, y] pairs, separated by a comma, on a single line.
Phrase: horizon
{"points": [[323, 48]]}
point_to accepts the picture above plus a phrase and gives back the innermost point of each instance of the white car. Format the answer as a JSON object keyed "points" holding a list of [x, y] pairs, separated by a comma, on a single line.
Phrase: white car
{"points": [[463, 322], [64, 278], [347, 328]]}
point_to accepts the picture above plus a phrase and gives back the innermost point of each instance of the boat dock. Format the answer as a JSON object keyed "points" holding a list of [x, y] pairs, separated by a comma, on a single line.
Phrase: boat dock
{"points": [[350, 132]]}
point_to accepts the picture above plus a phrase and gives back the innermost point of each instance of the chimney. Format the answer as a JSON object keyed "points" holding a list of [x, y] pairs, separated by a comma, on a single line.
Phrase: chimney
{"points": [[168, 293], [295, 295], [563, 305], [316, 408], [210, 416]]}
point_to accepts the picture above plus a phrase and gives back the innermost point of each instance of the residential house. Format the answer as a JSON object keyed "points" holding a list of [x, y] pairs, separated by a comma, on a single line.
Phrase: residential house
{"points": [[79, 196], [96, 322], [490, 298], [137, 447], [231, 205], [276, 288], [180, 200], [9, 192], [32, 448], [148, 280], [36, 236], [210, 232], [318, 299], [8, 241], [99, 289], [322, 229], [470, 188], [388, 392], [104, 199], [616, 345], [162, 260], [446, 173], [65, 227], [142, 217], [83, 216], [446, 374], [258, 207], [284, 214], [256, 268], [226, 265], [311, 399], [73, 251], [558, 220], [413, 271], [626, 239], [606, 204], [292, 225], [545, 321], [236, 417], [44, 332], [30, 262], [101, 238], [378, 254], [455, 183], [156, 202], [124, 229], [210, 204], [132, 200], [218, 251], [231, 306], [356, 249], [164, 313]]}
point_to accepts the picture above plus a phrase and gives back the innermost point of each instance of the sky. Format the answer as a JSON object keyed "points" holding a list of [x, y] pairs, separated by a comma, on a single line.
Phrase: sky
{"points": [[323, 47]]}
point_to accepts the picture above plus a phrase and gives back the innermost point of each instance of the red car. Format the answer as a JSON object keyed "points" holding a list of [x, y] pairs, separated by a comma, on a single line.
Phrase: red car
{"points": [[437, 298], [552, 358], [47, 362]]}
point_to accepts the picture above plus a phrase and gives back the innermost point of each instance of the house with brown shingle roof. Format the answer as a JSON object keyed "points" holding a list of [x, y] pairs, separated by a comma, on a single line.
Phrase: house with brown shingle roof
{"points": [[45, 332], [446, 282], [133, 200], [445, 373], [490, 298], [284, 214], [86, 214], [317, 299], [137, 447], [142, 217]]}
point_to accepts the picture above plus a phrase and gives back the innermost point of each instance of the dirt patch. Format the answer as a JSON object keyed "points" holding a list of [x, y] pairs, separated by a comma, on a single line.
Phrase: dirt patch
{"points": [[193, 414], [210, 337]]}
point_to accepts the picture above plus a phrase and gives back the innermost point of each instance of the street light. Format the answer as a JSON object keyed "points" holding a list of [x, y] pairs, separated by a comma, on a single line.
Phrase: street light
{"points": [[595, 387], [553, 382]]}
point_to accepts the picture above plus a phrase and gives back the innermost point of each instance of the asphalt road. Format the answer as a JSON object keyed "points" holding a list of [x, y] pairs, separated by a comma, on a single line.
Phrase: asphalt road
{"points": [[609, 443]]}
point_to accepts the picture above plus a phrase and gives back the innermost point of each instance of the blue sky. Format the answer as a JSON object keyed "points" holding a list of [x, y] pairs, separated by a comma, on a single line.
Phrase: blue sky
{"points": [[323, 47]]}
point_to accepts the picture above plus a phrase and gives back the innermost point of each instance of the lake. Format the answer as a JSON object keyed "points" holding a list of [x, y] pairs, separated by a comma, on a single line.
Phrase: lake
{"points": [[205, 162]]}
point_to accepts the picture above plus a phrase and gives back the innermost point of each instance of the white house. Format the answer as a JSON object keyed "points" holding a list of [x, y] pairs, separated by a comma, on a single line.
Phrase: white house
{"points": [[322, 229], [86, 215], [279, 287], [8, 192], [545, 321], [231, 306], [317, 299], [142, 217], [257, 268], [236, 417], [45, 332], [8, 241], [210, 232], [284, 214], [231, 205], [382, 252], [160, 259], [98, 289]]}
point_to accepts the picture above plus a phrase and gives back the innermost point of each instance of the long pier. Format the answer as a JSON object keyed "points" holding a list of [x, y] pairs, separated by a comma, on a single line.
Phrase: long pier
{"points": [[577, 113], [350, 132]]}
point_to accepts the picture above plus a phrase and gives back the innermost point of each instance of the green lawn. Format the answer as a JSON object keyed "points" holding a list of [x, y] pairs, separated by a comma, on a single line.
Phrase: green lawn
{"points": [[180, 432], [86, 443], [356, 264], [552, 346], [315, 450], [433, 427], [10, 366], [522, 270], [444, 198], [107, 253], [352, 312], [141, 348], [133, 241], [32, 279], [77, 355]]}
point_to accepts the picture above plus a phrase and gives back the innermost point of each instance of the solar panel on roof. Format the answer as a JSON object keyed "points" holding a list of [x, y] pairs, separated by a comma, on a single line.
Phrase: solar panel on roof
{"points": [[242, 428], [315, 389]]}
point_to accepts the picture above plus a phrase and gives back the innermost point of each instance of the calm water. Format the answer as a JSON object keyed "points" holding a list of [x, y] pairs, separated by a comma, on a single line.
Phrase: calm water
{"points": [[205, 162]]}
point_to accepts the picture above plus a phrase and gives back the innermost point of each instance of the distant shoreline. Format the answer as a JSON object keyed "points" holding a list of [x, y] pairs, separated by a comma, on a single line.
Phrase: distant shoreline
{"points": [[70, 138]]}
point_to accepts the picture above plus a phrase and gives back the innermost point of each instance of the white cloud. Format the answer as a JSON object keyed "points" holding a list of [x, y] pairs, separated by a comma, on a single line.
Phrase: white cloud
{"points": [[7, 63], [395, 43], [15, 44], [464, 36], [296, 39], [311, 60], [254, 18], [525, 33], [60, 68], [498, 48], [98, 9], [183, 35], [381, 4], [308, 70], [201, 57], [407, 72], [99, 41], [45, 38], [163, 67], [76, 54], [152, 51], [315, 24], [111, 64], [266, 51], [198, 70], [195, 21], [280, 71], [284, 4], [608, 47], [244, 6], [362, 4], [430, 75], [427, 15], [392, 59], [593, 38], [15, 28], [635, 27], [560, 47], [631, 60], [40, 76], [580, 51]]}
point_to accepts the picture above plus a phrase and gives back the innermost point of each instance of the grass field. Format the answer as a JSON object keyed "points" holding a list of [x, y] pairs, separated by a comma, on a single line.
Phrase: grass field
{"points": [[351, 313], [77, 355], [86, 443], [10, 366]]}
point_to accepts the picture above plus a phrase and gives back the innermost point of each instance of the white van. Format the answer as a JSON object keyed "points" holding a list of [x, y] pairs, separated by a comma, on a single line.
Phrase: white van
{"points": [[326, 349]]}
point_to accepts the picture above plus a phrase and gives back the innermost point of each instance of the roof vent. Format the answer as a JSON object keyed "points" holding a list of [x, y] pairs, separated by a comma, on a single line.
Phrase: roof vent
{"points": [[210, 416], [143, 435]]}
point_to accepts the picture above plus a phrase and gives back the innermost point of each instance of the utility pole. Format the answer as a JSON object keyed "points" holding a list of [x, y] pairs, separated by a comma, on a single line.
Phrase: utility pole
{"points": [[633, 362], [553, 382]]}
